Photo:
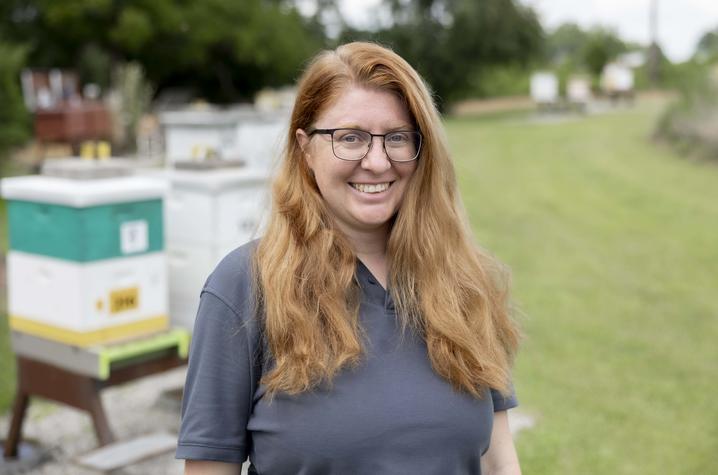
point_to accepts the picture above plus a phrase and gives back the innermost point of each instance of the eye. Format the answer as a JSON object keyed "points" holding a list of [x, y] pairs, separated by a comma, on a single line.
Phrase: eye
{"points": [[398, 138], [350, 137]]}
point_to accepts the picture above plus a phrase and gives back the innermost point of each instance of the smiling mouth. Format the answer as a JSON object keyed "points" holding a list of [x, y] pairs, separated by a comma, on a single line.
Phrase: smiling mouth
{"points": [[371, 188]]}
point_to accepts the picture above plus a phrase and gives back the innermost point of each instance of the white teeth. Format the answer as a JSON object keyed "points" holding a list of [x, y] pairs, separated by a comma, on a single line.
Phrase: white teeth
{"points": [[377, 188]]}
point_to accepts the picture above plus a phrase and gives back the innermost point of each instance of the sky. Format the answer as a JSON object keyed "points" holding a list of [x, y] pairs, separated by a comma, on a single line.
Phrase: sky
{"points": [[681, 23]]}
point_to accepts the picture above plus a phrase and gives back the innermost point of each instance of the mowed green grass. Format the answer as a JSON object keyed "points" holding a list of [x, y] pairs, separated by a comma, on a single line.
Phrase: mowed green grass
{"points": [[613, 245], [7, 359]]}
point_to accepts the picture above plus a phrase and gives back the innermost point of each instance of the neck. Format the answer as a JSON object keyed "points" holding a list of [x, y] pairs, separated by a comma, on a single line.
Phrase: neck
{"points": [[370, 248], [370, 242]]}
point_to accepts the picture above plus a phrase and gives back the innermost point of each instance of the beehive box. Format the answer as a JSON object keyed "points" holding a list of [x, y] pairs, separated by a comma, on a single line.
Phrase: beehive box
{"points": [[215, 207], [86, 263], [208, 213], [544, 88]]}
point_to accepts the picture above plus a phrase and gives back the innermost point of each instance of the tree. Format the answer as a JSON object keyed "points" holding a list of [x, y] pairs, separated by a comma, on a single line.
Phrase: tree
{"points": [[224, 49], [566, 44], [14, 119], [602, 46], [707, 48], [451, 42]]}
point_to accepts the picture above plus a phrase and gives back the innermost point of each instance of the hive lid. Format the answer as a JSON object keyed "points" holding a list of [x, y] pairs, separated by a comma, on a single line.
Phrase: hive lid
{"points": [[209, 117], [81, 193], [214, 181], [86, 169], [207, 164]]}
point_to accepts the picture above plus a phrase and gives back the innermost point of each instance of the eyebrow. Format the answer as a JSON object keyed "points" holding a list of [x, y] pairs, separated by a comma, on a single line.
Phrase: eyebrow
{"points": [[404, 126]]}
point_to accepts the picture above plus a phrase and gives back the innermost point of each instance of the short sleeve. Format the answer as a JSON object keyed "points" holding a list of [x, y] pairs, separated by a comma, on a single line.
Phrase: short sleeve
{"points": [[503, 403], [219, 388]]}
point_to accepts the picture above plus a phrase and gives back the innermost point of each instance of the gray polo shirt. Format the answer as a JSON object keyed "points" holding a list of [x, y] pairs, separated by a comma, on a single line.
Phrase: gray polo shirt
{"points": [[391, 415]]}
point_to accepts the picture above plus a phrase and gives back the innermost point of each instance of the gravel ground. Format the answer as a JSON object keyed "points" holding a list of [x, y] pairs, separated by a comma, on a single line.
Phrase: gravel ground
{"points": [[133, 409]]}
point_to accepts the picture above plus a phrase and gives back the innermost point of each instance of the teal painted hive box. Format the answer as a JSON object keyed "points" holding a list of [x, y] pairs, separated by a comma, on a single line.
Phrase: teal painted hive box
{"points": [[84, 221], [86, 263]]}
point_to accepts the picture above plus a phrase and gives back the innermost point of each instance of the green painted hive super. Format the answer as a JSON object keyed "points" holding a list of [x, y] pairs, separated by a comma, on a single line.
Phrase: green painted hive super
{"points": [[86, 263], [85, 234]]}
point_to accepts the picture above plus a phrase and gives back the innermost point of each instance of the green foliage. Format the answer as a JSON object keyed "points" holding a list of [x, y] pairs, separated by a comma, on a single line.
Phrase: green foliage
{"points": [[95, 65], [573, 49], [225, 50], [601, 47], [7, 363], [689, 124], [707, 48], [134, 95], [501, 80], [565, 44], [453, 42], [14, 119], [7, 359]]}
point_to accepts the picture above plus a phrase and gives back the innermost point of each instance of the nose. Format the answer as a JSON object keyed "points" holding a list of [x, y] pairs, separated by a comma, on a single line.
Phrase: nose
{"points": [[376, 159]]}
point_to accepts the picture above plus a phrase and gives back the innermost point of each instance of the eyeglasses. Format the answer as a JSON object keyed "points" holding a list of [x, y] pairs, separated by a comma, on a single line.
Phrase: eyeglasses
{"points": [[354, 144]]}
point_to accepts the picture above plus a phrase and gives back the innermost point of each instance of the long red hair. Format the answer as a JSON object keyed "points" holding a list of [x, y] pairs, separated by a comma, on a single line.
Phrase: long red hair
{"points": [[444, 286]]}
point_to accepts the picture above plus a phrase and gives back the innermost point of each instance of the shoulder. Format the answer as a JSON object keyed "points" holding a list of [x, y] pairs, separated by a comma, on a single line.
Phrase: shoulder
{"points": [[232, 281]]}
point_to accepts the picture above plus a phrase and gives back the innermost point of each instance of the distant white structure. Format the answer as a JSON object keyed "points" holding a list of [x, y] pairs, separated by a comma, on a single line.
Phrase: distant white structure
{"points": [[544, 89], [617, 81], [268, 100], [578, 91], [632, 59], [240, 133]]}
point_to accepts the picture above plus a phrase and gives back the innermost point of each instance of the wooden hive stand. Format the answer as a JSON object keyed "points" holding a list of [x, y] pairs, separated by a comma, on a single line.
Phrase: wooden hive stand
{"points": [[75, 376]]}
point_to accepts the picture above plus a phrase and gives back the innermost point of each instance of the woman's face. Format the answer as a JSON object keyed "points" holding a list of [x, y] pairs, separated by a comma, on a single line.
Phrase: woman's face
{"points": [[362, 195]]}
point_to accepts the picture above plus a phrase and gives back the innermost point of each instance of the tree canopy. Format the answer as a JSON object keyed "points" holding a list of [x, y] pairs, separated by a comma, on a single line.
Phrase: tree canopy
{"points": [[583, 49], [226, 49], [452, 42], [707, 47]]}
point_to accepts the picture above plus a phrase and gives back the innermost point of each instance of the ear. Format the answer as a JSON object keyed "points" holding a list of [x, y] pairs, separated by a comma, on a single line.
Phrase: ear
{"points": [[304, 143]]}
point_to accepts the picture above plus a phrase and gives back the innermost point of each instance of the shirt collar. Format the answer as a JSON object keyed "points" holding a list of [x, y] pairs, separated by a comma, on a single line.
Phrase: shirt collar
{"points": [[371, 287]]}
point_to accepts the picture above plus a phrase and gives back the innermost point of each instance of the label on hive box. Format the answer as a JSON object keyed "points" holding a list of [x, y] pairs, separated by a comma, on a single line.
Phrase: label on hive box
{"points": [[134, 236], [122, 300]]}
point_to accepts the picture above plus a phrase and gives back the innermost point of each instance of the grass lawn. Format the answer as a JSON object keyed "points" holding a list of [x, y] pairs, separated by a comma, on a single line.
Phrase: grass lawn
{"points": [[7, 359], [613, 244]]}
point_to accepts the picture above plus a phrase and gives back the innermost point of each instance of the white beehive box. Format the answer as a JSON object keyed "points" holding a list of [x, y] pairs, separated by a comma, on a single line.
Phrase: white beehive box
{"points": [[259, 143], [238, 134], [87, 261], [188, 131], [207, 214], [578, 90], [215, 207], [544, 88], [89, 303], [617, 79]]}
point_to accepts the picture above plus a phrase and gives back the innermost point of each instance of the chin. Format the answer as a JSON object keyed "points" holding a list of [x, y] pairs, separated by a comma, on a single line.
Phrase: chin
{"points": [[373, 222]]}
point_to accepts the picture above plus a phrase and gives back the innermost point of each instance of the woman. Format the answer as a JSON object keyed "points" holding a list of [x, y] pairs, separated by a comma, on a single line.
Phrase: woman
{"points": [[364, 333]]}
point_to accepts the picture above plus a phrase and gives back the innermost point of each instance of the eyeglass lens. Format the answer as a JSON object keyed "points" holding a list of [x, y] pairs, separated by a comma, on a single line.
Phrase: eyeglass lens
{"points": [[351, 144]]}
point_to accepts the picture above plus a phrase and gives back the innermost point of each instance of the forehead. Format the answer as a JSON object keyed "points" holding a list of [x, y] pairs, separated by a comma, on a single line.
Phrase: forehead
{"points": [[370, 109]]}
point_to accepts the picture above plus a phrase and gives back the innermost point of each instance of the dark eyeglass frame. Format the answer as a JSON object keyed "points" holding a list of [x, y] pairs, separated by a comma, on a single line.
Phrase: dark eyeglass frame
{"points": [[331, 132]]}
